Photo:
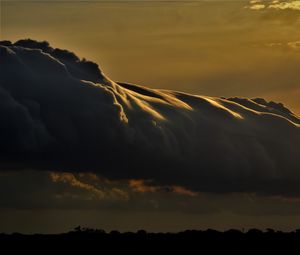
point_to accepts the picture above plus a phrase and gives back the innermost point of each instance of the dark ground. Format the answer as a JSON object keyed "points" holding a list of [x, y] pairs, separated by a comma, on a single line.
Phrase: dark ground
{"points": [[85, 240]]}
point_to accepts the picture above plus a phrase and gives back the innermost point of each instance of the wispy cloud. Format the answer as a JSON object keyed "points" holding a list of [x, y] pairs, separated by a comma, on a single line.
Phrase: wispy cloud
{"points": [[257, 6], [285, 5], [142, 186], [93, 190], [293, 45], [276, 5]]}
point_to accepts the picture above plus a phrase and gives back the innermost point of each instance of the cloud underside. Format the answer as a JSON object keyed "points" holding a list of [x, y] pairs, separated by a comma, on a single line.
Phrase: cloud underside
{"points": [[61, 113]]}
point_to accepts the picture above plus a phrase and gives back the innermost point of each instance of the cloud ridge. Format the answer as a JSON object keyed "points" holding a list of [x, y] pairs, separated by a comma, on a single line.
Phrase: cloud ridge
{"points": [[60, 112]]}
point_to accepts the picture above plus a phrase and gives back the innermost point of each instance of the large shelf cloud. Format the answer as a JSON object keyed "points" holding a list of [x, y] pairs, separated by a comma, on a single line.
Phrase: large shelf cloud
{"points": [[61, 113]]}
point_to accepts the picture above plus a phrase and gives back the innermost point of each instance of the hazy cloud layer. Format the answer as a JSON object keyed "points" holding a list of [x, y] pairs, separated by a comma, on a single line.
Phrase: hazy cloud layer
{"points": [[61, 113], [26, 194]]}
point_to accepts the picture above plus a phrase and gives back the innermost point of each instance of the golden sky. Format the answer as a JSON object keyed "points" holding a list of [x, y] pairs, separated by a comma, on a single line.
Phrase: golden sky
{"points": [[217, 48]]}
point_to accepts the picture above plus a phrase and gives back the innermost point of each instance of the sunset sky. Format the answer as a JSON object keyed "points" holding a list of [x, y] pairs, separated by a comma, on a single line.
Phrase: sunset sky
{"points": [[216, 48], [212, 48]]}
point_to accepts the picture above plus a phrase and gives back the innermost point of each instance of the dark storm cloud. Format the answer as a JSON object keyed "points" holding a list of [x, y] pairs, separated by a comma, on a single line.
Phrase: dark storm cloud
{"points": [[61, 113]]}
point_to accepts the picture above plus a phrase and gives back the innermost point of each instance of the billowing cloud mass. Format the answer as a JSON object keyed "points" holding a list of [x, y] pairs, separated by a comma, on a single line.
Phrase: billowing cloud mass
{"points": [[61, 113]]}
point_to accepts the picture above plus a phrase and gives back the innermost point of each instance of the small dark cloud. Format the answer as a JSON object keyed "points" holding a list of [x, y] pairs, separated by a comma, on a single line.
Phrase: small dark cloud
{"points": [[61, 113]]}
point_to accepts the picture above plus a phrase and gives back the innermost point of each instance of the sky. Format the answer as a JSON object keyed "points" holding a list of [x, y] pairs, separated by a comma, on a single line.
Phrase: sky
{"points": [[212, 48]]}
